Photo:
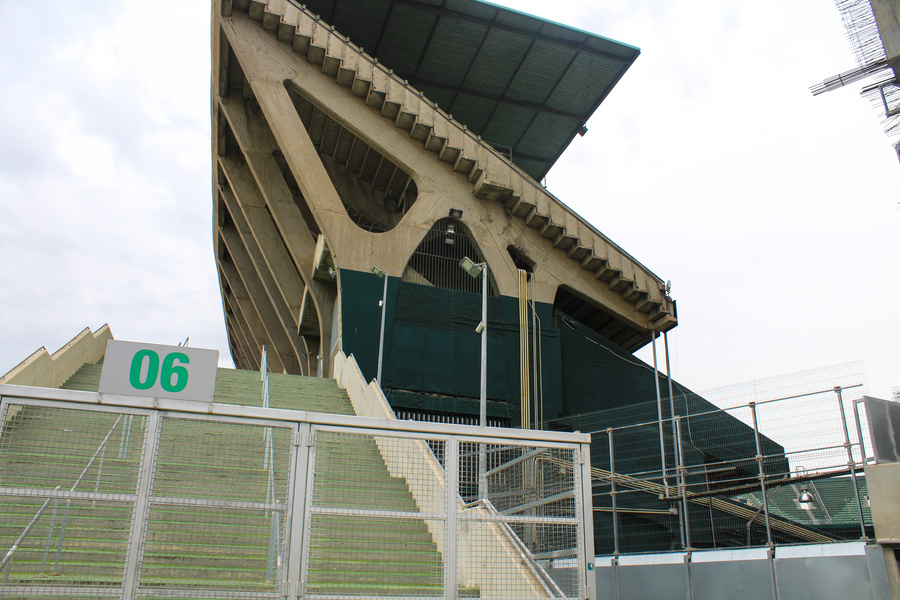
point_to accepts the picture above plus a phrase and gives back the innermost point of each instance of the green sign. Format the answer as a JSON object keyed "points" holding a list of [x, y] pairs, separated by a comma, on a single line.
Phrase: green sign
{"points": [[136, 369]]}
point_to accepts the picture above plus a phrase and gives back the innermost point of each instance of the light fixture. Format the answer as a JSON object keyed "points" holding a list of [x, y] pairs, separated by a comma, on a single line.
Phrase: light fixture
{"points": [[806, 499], [379, 272], [455, 213], [451, 230], [470, 267]]}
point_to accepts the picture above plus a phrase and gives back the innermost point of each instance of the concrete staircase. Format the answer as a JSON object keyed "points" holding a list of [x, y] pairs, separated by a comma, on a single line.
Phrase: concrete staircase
{"points": [[350, 554], [44, 448], [209, 546]]}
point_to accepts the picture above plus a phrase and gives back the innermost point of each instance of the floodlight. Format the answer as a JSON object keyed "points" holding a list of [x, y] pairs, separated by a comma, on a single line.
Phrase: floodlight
{"points": [[455, 213], [472, 268], [379, 272], [480, 327], [806, 499]]}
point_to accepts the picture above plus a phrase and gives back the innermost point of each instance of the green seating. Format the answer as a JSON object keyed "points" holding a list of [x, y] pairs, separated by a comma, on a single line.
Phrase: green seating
{"points": [[210, 543]]}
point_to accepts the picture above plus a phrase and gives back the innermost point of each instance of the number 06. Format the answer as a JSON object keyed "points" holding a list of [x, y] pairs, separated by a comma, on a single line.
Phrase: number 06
{"points": [[173, 377]]}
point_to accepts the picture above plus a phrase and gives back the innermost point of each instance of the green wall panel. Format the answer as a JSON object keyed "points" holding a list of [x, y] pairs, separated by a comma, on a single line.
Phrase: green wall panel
{"points": [[432, 348]]}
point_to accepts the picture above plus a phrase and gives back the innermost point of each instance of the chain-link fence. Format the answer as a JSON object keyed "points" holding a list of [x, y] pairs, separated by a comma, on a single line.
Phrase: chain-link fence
{"points": [[189, 501], [766, 469]]}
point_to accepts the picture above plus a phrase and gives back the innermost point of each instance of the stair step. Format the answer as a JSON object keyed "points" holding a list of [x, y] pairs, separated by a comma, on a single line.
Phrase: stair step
{"points": [[294, 392], [197, 459]]}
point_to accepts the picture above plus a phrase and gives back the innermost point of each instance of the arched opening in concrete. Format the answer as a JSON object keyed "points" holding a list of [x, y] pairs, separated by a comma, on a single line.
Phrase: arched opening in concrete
{"points": [[436, 261]]}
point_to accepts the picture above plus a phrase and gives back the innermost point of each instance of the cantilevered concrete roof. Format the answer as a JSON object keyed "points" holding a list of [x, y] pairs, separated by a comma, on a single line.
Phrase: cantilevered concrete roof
{"points": [[526, 85]]}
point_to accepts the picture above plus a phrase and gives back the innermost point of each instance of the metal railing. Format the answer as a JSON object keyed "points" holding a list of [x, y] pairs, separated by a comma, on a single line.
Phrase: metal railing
{"points": [[253, 502], [7, 558], [552, 588], [6, 565], [775, 471]]}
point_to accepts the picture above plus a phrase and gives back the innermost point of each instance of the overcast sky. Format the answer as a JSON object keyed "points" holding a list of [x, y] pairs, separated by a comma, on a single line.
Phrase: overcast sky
{"points": [[774, 213]]}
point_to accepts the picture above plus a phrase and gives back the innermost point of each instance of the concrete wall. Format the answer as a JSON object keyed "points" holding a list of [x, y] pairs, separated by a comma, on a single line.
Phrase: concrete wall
{"points": [[887, 16], [42, 369], [846, 571]]}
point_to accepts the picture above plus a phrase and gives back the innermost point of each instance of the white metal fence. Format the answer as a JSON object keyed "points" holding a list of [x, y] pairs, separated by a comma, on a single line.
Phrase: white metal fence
{"points": [[151, 498]]}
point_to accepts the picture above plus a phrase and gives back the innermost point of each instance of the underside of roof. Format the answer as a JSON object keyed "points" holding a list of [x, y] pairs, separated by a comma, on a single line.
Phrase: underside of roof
{"points": [[525, 85]]}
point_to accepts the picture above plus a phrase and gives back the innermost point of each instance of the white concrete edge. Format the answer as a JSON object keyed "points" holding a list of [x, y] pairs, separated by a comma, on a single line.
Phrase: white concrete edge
{"points": [[836, 549]]}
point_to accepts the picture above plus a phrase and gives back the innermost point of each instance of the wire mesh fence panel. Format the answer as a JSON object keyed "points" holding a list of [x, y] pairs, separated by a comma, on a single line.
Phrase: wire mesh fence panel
{"points": [[67, 490], [371, 555], [521, 537], [217, 508], [376, 517], [42, 447], [179, 504], [776, 461]]}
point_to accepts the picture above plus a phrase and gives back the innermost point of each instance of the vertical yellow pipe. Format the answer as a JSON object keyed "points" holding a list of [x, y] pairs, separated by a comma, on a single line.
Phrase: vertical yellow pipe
{"points": [[524, 370]]}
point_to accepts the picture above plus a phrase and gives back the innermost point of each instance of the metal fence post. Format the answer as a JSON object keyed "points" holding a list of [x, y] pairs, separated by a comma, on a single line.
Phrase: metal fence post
{"points": [[682, 483], [141, 509], [612, 481], [295, 544], [762, 476], [49, 535], [126, 436], [659, 416], [583, 489], [451, 468], [850, 462]]}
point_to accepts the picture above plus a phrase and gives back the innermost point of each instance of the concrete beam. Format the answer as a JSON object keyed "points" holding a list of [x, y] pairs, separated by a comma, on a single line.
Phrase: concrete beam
{"points": [[243, 311], [262, 173], [255, 313], [253, 220], [267, 278]]}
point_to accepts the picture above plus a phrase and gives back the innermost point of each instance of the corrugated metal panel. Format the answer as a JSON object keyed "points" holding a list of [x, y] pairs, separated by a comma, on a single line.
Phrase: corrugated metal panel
{"points": [[578, 89], [404, 39], [479, 109], [367, 26], [452, 49], [546, 127], [460, 53], [535, 79], [508, 124], [495, 66]]}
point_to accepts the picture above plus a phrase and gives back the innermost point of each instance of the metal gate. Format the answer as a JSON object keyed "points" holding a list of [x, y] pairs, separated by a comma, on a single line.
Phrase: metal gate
{"points": [[156, 498]]}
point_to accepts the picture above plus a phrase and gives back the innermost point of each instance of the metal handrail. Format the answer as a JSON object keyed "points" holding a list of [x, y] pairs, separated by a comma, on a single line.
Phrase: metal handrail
{"points": [[273, 563], [528, 558], [62, 531], [7, 559]]}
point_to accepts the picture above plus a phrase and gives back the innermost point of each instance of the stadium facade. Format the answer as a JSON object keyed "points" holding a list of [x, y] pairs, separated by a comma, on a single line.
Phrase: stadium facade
{"points": [[376, 202], [402, 137], [363, 152]]}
